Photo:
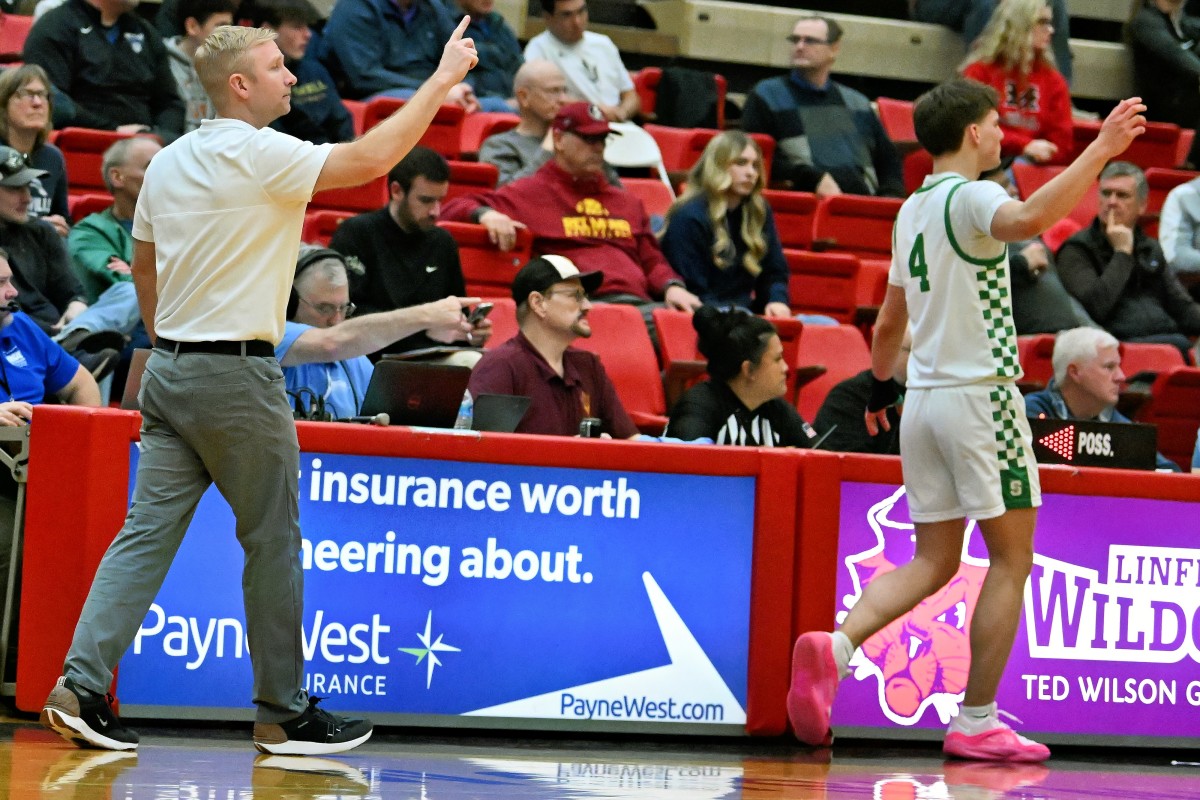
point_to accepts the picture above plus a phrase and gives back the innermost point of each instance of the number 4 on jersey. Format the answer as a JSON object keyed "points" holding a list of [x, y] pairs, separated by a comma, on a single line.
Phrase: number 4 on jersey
{"points": [[916, 262]]}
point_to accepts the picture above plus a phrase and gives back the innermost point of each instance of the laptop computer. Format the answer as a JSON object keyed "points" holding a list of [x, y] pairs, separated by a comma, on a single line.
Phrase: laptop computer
{"points": [[1085, 443], [499, 413], [133, 379], [416, 393]]}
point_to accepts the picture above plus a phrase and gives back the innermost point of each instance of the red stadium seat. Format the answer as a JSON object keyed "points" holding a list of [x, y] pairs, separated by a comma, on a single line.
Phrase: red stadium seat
{"points": [[1035, 353], [14, 29], [1161, 182], [841, 350], [1146, 357], [1184, 151], [682, 147], [854, 224], [469, 177], [896, 116], [367, 197], [487, 270], [481, 125], [358, 113], [1174, 406], [795, 213], [683, 364], [443, 135], [81, 205], [83, 149], [504, 320], [653, 193], [620, 338], [1031, 177], [917, 165], [646, 82], [823, 283], [320, 224], [1157, 147]]}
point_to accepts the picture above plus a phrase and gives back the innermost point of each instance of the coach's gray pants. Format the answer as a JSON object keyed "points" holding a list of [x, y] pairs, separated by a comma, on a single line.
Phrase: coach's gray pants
{"points": [[205, 419]]}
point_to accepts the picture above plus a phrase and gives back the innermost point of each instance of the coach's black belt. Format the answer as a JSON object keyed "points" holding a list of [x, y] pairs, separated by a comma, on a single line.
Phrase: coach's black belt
{"points": [[255, 347]]}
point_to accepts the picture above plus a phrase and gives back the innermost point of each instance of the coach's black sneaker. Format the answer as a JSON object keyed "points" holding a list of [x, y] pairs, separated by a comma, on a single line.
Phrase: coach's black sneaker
{"points": [[85, 718], [315, 732]]}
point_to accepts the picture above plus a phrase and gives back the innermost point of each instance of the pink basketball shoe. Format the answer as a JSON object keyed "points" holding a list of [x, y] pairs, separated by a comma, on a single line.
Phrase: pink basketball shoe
{"points": [[998, 743], [814, 684]]}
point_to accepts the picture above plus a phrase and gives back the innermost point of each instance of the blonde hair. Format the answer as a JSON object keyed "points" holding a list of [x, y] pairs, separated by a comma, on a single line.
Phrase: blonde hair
{"points": [[224, 53], [1007, 39], [14, 80], [709, 178]]}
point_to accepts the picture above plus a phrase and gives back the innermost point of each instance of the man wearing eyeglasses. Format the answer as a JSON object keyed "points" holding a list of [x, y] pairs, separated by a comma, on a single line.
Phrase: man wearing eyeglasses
{"points": [[565, 385], [324, 347], [827, 136]]}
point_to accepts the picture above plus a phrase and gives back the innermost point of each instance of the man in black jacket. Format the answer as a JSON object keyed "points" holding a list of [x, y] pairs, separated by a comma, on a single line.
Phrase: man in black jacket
{"points": [[1120, 274], [111, 63]]}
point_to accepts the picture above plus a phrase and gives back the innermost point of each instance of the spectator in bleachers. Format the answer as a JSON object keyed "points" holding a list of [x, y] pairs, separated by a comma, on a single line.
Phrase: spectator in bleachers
{"points": [[841, 414], [25, 126], [1040, 303], [111, 63], [499, 52], [198, 18], [1179, 228], [47, 289], [742, 401], [540, 91], [828, 138], [565, 384], [407, 259], [101, 245], [1013, 57], [317, 114], [721, 235], [589, 60], [970, 17], [1087, 383], [324, 348], [1166, 64], [572, 210], [1120, 274], [35, 369], [390, 47]]}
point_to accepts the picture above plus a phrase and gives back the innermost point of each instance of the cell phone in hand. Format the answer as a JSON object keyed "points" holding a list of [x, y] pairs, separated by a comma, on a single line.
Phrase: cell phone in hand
{"points": [[478, 313]]}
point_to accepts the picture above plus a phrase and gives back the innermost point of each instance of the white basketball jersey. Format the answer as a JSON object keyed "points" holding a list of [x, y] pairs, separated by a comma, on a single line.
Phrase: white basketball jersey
{"points": [[955, 278]]}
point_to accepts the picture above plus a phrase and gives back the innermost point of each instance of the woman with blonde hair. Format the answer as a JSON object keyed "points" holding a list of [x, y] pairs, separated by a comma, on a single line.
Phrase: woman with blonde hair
{"points": [[720, 234], [1013, 56], [25, 126]]}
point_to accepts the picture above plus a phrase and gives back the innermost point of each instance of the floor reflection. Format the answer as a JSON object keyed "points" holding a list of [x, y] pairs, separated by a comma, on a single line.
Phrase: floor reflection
{"points": [[221, 765]]}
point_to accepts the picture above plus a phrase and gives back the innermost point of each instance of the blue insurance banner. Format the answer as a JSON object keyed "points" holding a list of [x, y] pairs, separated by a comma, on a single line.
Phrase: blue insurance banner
{"points": [[451, 588]]}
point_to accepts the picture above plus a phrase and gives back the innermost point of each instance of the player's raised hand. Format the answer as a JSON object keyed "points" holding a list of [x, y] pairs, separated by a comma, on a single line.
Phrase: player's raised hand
{"points": [[459, 56], [1122, 126]]}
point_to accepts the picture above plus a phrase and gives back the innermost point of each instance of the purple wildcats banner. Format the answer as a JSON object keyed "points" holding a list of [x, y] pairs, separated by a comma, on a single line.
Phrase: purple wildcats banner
{"points": [[1109, 642]]}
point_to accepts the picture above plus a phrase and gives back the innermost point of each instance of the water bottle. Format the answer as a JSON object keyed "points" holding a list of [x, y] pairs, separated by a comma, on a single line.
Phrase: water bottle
{"points": [[466, 412]]}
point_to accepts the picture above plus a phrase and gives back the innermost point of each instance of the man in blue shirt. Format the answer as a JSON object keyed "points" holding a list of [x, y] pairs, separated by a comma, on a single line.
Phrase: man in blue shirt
{"points": [[1087, 383], [323, 351]]}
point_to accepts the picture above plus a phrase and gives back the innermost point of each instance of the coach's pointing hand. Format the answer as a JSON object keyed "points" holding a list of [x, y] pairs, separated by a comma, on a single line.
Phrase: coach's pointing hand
{"points": [[459, 56]]}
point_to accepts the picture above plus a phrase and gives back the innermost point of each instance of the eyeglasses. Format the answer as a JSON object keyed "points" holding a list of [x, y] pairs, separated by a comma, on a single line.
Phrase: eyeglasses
{"points": [[29, 94], [579, 294], [794, 39], [329, 309]]}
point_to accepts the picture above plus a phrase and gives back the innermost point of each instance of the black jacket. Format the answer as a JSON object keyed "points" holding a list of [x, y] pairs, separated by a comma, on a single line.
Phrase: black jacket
{"points": [[41, 271], [1129, 295], [123, 83]]}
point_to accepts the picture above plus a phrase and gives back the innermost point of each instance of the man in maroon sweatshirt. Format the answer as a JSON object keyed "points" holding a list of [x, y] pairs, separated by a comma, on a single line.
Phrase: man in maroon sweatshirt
{"points": [[574, 212]]}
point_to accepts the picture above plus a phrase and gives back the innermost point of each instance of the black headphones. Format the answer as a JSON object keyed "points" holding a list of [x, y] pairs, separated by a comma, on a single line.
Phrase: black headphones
{"points": [[309, 255]]}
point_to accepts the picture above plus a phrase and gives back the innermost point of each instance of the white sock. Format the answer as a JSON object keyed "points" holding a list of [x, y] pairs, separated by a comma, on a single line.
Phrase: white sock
{"points": [[843, 651], [973, 720]]}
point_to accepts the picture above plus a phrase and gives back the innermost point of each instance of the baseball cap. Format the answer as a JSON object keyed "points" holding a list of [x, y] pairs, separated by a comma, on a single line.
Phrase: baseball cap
{"points": [[583, 119], [14, 171], [542, 272]]}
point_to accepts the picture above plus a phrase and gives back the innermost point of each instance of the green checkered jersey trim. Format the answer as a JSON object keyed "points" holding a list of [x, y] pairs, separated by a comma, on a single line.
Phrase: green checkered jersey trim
{"points": [[992, 283], [1011, 456]]}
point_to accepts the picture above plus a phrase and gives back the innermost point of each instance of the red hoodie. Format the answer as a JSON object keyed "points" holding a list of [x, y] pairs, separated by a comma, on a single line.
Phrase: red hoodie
{"points": [[1040, 109], [587, 220]]}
